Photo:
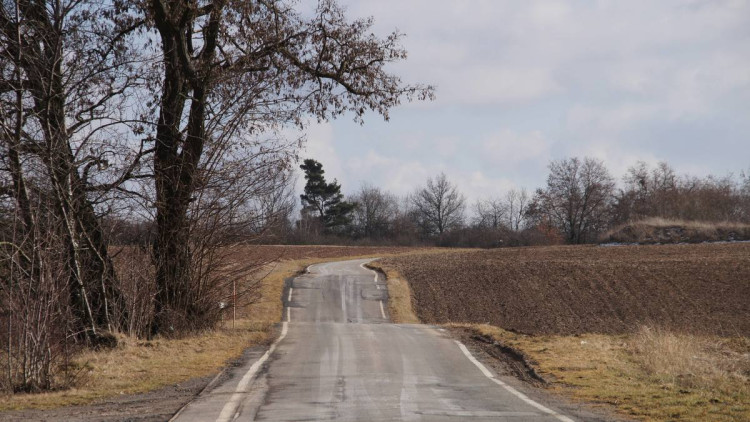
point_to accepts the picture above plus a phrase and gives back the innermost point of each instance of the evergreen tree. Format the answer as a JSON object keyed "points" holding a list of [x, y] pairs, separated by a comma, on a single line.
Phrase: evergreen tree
{"points": [[324, 199]]}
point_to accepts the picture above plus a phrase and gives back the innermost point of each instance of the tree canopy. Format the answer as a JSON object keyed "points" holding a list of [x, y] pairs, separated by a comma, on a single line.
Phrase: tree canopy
{"points": [[324, 198]]}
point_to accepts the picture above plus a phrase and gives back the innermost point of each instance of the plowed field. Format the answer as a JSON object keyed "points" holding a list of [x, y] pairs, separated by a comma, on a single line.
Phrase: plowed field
{"points": [[269, 253], [703, 288]]}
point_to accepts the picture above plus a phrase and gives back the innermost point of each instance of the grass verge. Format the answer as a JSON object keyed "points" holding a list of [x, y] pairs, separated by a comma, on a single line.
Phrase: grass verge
{"points": [[400, 307], [650, 375]]}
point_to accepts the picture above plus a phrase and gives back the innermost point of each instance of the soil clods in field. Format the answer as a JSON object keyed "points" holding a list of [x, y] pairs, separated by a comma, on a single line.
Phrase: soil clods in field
{"points": [[702, 288]]}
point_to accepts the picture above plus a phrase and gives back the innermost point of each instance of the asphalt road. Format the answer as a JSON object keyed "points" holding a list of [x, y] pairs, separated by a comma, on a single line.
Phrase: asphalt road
{"points": [[340, 359]]}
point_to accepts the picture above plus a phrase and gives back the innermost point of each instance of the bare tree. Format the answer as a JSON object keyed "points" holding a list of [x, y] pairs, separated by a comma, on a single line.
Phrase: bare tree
{"points": [[374, 212], [232, 69], [439, 206], [491, 213], [516, 204], [577, 198], [274, 208], [67, 67], [660, 192]]}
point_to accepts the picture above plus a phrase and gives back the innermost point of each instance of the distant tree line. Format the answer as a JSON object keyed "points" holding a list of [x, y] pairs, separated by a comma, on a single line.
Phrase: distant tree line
{"points": [[580, 201]]}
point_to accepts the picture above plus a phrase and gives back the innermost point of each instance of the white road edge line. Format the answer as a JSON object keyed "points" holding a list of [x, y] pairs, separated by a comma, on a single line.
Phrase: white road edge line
{"points": [[374, 280], [231, 409], [510, 389], [289, 299]]}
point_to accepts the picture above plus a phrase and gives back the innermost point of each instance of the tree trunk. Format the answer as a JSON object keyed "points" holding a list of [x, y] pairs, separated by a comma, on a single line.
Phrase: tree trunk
{"points": [[176, 161], [96, 299], [95, 296]]}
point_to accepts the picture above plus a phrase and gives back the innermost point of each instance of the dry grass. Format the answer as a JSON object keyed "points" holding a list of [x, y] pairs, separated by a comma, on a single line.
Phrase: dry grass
{"points": [[652, 375], [695, 362], [698, 225], [140, 366], [137, 366], [662, 230], [400, 306]]}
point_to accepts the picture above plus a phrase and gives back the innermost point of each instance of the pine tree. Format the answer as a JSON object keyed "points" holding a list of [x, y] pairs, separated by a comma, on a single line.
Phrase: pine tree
{"points": [[324, 199]]}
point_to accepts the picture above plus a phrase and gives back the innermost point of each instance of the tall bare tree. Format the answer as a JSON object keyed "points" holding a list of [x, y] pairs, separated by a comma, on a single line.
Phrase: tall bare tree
{"points": [[439, 206], [516, 204], [491, 213], [66, 69], [577, 198], [374, 212], [232, 69]]}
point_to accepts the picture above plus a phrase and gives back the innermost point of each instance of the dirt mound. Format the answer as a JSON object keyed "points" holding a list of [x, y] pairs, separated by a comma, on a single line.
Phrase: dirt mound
{"points": [[658, 230], [703, 288]]}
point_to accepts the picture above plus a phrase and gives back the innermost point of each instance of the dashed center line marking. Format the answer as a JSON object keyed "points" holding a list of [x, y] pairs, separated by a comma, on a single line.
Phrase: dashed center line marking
{"points": [[382, 311]]}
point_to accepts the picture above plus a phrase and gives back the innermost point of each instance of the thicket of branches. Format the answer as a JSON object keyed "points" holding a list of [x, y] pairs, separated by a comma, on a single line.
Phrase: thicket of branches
{"points": [[160, 122]]}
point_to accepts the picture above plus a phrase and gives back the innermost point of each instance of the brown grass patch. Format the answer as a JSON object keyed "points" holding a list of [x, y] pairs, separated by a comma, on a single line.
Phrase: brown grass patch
{"points": [[400, 307], [652, 375], [694, 362], [138, 366]]}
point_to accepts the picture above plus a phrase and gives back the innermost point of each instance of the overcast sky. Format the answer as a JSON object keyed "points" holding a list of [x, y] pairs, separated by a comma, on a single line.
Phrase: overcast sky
{"points": [[522, 82]]}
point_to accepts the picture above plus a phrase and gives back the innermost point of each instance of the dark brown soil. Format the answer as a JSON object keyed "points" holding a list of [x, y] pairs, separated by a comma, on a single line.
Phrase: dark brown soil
{"points": [[506, 359], [268, 253], [703, 288]]}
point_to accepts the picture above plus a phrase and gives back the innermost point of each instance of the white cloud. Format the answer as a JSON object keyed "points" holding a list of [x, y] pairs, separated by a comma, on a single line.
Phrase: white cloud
{"points": [[619, 80], [606, 121], [510, 148], [617, 158], [491, 85], [393, 174], [476, 185]]}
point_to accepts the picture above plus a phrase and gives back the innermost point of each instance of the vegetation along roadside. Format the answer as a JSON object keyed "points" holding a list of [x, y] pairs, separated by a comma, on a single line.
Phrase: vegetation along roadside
{"points": [[137, 365]]}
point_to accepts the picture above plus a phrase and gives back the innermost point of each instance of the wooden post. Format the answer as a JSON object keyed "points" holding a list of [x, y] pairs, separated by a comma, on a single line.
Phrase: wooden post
{"points": [[234, 302]]}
